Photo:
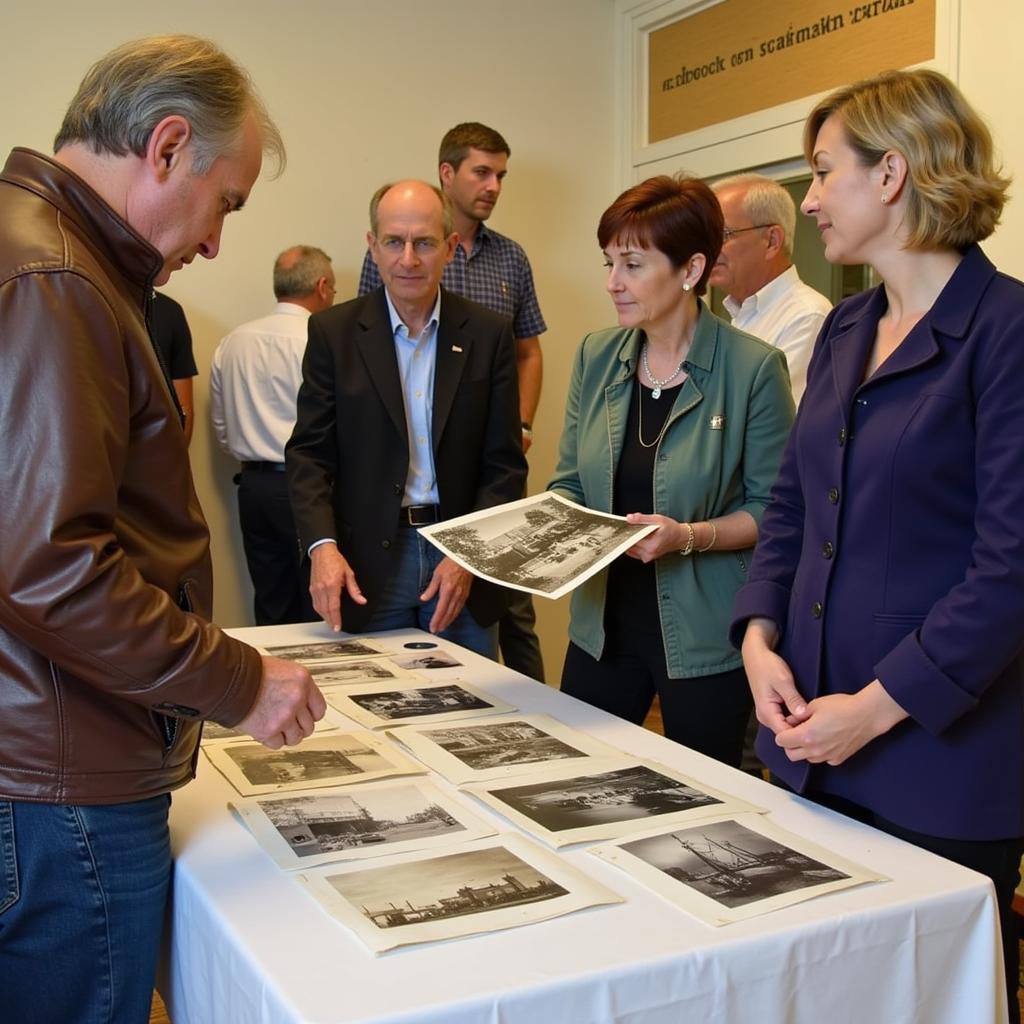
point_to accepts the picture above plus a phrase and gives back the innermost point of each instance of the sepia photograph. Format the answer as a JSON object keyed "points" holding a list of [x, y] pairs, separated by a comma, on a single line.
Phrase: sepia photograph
{"points": [[730, 869], [425, 661], [605, 800], [328, 650], [545, 544], [357, 670], [214, 734], [380, 706], [356, 822], [330, 760], [481, 887], [499, 747]]}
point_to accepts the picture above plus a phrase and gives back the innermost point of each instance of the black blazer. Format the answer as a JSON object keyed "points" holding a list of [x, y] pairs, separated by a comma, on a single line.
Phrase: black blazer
{"points": [[348, 455]]}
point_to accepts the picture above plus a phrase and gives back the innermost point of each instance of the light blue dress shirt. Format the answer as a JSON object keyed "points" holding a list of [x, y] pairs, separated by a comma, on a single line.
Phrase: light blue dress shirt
{"points": [[417, 358]]}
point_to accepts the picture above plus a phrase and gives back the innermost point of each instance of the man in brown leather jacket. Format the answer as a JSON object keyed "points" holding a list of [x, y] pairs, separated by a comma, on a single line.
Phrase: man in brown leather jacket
{"points": [[108, 660]]}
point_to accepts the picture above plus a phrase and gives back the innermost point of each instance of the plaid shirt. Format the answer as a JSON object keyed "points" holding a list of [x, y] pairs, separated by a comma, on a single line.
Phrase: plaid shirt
{"points": [[496, 274]]}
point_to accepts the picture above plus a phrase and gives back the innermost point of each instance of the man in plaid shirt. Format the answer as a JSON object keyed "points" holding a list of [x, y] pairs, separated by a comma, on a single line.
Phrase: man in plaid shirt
{"points": [[494, 271]]}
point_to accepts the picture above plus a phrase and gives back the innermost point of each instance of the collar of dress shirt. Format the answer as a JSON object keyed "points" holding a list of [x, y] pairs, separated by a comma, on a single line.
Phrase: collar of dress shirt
{"points": [[291, 309], [397, 321], [764, 298]]}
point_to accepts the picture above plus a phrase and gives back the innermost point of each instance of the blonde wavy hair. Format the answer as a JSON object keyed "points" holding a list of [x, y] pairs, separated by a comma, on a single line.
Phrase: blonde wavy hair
{"points": [[955, 189]]}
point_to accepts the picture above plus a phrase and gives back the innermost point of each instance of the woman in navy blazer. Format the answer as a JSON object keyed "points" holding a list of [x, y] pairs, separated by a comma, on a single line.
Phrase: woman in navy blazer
{"points": [[882, 623]]}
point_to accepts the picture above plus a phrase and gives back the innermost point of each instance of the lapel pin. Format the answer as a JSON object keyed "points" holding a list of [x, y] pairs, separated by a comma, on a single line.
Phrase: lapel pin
{"points": [[718, 423], [455, 348]]}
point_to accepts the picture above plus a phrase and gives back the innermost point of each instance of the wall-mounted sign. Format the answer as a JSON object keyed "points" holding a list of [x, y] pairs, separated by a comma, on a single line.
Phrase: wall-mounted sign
{"points": [[742, 56]]}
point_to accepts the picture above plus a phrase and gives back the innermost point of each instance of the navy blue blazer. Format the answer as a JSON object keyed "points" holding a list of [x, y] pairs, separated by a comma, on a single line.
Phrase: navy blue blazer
{"points": [[893, 548]]}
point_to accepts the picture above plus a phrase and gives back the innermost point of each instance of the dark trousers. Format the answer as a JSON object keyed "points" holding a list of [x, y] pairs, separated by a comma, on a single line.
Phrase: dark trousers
{"points": [[705, 713], [280, 576], [517, 638], [998, 859]]}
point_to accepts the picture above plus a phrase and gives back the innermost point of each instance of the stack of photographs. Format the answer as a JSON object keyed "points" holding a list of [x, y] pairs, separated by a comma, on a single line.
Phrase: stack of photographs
{"points": [[480, 887], [544, 544], [497, 748], [602, 801], [727, 869], [400, 861], [333, 759], [304, 830], [380, 706]]}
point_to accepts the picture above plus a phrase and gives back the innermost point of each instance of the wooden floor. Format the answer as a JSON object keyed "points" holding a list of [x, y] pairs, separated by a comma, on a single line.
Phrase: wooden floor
{"points": [[158, 1015]]}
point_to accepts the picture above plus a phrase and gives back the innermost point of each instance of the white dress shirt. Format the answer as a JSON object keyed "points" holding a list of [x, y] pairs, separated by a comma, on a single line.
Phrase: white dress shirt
{"points": [[787, 314], [254, 381]]}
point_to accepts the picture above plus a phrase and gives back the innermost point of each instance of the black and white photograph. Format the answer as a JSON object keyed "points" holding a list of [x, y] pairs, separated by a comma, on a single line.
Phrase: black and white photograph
{"points": [[730, 869], [214, 734], [480, 887], [304, 830], [499, 747], [356, 671], [603, 800], [545, 544], [427, 661], [328, 650], [329, 760], [380, 706]]}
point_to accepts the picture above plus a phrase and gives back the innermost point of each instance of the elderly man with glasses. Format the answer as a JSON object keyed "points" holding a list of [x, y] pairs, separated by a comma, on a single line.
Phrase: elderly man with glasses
{"points": [[763, 292]]}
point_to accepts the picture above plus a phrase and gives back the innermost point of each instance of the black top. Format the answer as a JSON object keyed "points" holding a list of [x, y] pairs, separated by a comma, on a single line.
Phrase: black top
{"points": [[632, 599], [172, 337]]}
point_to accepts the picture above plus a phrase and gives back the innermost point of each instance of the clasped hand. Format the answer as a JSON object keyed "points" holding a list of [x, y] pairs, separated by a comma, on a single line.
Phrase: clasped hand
{"points": [[828, 729]]}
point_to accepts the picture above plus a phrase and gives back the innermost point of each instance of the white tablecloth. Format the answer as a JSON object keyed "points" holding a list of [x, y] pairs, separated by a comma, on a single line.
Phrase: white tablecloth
{"points": [[245, 944]]}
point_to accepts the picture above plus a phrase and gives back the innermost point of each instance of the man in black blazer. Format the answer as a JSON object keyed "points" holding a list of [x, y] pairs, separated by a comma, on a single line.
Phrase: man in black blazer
{"points": [[408, 414]]}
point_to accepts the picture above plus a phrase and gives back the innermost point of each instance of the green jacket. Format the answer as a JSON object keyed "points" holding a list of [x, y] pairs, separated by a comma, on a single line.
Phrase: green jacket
{"points": [[720, 453]]}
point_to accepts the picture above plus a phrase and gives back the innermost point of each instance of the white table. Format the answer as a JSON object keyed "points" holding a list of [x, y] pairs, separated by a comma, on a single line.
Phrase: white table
{"points": [[247, 945]]}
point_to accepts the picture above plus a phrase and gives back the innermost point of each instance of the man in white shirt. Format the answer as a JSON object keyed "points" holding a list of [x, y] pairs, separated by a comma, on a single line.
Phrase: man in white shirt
{"points": [[254, 380], [764, 294]]}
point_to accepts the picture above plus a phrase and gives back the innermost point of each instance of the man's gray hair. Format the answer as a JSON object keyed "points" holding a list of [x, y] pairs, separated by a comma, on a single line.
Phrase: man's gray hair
{"points": [[126, 94], [765, 202], [297, 271], [447, 216]]}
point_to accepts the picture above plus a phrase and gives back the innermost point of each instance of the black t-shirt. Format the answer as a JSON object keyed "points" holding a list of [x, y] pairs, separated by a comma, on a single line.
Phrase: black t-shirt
{"points": [[172, 337]]}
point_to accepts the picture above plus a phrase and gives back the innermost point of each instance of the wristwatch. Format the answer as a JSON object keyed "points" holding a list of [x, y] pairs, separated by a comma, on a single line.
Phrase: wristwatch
{"points": [[527, 430]]}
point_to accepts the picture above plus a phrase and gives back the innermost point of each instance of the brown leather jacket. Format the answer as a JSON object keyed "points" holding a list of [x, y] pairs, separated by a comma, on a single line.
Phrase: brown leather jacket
{"points": [[107, 658]]}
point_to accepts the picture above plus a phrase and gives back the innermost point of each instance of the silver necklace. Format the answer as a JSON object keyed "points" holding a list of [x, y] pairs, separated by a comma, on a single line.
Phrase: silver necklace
{"points": [[659, 384], [640, 422]]}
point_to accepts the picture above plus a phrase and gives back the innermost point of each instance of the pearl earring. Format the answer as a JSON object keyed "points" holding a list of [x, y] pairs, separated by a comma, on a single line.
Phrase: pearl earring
{"points": [[686, 286]]}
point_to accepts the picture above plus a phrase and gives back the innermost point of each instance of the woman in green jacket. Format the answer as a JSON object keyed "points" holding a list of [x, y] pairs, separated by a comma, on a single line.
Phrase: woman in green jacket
{"points": [[679, 420]]}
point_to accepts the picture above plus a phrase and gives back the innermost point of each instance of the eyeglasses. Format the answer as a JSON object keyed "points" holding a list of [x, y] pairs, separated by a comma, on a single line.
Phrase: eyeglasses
{"points": [[729, 232], [421, 246]]}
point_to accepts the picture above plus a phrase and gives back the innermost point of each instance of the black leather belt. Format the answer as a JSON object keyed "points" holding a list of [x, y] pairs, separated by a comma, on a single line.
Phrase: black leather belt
{"points": [[263, 467], [419, 515]]}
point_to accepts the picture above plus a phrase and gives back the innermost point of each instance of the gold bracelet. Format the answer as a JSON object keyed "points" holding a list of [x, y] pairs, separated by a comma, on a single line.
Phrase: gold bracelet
{"points": [[714, 538], [690, 537]]}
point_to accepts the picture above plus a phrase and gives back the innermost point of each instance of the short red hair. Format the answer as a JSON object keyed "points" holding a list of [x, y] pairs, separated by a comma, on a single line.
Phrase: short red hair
{"points": [[677, 216]]}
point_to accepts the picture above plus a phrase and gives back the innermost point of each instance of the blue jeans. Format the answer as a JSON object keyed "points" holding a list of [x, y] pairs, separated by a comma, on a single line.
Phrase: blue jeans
{"points": [[400, 606], [82, 896]]}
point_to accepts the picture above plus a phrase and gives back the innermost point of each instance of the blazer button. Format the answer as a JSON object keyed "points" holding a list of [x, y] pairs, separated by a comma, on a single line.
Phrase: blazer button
{"points": [[842, 436], [385, 544], [827, 550], [833, 495], [816, 609], [397, 488]]}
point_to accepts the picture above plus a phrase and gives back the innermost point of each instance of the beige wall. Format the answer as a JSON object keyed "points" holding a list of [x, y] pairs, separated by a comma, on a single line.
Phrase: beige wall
{"points": [[362, 93]]}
